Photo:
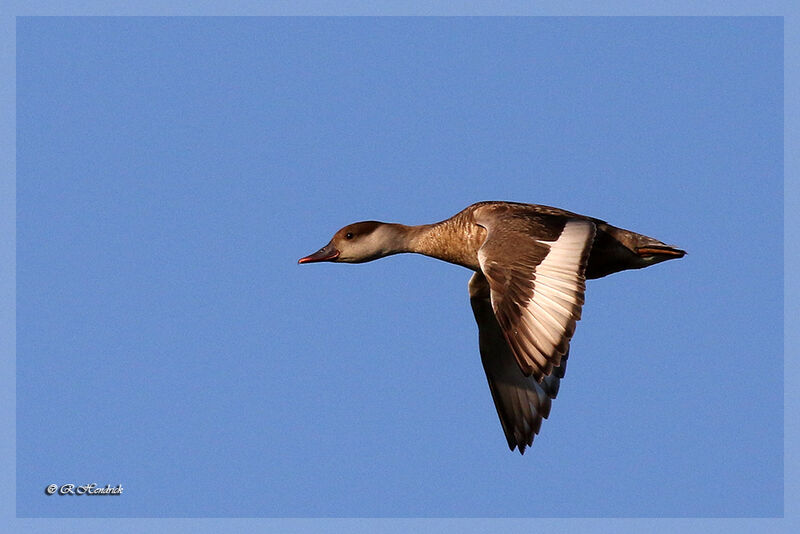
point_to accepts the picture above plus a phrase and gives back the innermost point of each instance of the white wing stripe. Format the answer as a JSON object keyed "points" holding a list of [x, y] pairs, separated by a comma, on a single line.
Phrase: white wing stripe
{"points": [[560, 306], [533, 341], [557, 288], [544, 285], [553, 327], [557, 284]]}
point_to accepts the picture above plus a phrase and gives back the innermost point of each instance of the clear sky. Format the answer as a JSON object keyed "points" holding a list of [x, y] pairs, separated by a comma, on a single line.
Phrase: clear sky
{"points": [[171, 171]]}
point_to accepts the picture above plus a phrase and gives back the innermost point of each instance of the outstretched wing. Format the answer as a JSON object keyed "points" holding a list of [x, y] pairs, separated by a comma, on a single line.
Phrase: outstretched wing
{"points": [[535, 265], [521, 402]]}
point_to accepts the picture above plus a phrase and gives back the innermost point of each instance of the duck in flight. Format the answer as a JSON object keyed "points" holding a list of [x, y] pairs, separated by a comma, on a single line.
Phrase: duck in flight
{"points": [[530, 265]]}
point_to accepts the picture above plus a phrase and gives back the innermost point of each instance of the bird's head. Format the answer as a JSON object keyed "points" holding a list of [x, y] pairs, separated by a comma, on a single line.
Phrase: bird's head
{"points": [[357, 243]]}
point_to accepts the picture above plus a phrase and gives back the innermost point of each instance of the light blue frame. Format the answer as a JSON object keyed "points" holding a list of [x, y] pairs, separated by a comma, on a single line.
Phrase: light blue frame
{"points": [[12, 9]]}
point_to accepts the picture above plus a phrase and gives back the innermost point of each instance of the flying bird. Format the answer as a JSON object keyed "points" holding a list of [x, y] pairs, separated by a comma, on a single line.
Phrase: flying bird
{"points": [[530, 264]]}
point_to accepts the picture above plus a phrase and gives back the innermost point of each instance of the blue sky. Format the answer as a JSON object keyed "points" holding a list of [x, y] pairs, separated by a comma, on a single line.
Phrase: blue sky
{"points": [[171, 171]]}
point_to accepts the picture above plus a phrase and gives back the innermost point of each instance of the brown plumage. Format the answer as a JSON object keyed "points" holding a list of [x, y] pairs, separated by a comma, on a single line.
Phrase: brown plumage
{"points": [[531, 263]]}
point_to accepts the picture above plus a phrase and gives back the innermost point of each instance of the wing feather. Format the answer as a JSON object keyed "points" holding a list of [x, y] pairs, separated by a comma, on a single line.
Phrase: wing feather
{"points": [[520, 401], [536, 283]]}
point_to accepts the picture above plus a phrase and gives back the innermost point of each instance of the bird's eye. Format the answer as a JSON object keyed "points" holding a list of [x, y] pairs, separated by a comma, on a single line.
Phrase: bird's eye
{"points": [[348, 235]]}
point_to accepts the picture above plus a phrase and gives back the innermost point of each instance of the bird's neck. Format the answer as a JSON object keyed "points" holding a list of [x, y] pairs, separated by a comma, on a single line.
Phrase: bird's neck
{"points": [[453, 241]]}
